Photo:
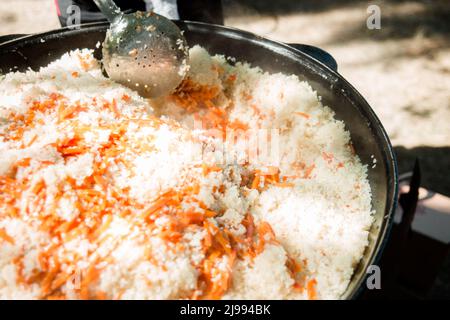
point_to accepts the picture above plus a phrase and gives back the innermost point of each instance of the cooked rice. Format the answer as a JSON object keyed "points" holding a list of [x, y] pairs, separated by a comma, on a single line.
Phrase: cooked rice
{"points": [[106, 195]]}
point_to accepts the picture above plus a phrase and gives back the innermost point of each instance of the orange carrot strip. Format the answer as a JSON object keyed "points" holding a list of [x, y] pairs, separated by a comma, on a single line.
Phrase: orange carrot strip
{"points": [[5, 236], [304, 115], [311, 289]]}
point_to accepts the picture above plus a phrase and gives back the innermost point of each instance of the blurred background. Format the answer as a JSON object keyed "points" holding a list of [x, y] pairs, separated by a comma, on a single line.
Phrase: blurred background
{"points": [[402, 69]]}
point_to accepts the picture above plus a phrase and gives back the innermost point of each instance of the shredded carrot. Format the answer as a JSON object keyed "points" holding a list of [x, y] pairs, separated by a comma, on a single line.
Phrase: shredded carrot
{"points": [[250, 227], [107, 222], [48, 280], [270, 175], [210, 213], [265, 231], [101, 295], [232, 78], [112, 106], [191, 217], [126, 98], [238, 125], [171, 236], [247, 96], [207, 241], [60, 279], [56, 297], [25, 162], [91, 275], [293, 266], [311, 289], [85, 64], [328, 157], [67, 112], [255, 109], [308, 171], [208, 169], [304, 115], [38, 187], [298, 287], [256, 182], [32, 140], [192, 96], [5, 236]]}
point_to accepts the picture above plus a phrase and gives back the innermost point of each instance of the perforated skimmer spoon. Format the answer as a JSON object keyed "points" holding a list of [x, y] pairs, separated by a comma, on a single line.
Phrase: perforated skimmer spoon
{"points": [[143, 50]]}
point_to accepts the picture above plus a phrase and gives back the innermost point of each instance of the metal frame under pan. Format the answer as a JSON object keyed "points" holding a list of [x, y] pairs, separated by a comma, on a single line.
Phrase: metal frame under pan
{"points": [[367, 133]]}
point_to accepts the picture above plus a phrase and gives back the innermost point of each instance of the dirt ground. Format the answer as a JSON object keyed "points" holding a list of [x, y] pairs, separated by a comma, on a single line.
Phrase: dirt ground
{"points": [[402, 69]]}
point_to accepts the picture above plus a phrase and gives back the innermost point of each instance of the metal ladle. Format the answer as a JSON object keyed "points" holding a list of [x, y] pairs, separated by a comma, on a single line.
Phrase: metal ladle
{"points": [[143, 50]]}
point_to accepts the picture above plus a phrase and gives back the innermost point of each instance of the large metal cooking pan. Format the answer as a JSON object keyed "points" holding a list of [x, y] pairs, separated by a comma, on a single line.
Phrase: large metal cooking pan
{"points": [[367, 133]]}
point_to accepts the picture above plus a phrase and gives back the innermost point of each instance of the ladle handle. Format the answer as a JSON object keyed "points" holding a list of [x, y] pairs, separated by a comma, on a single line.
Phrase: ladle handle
{"points": [[109, 9]]}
